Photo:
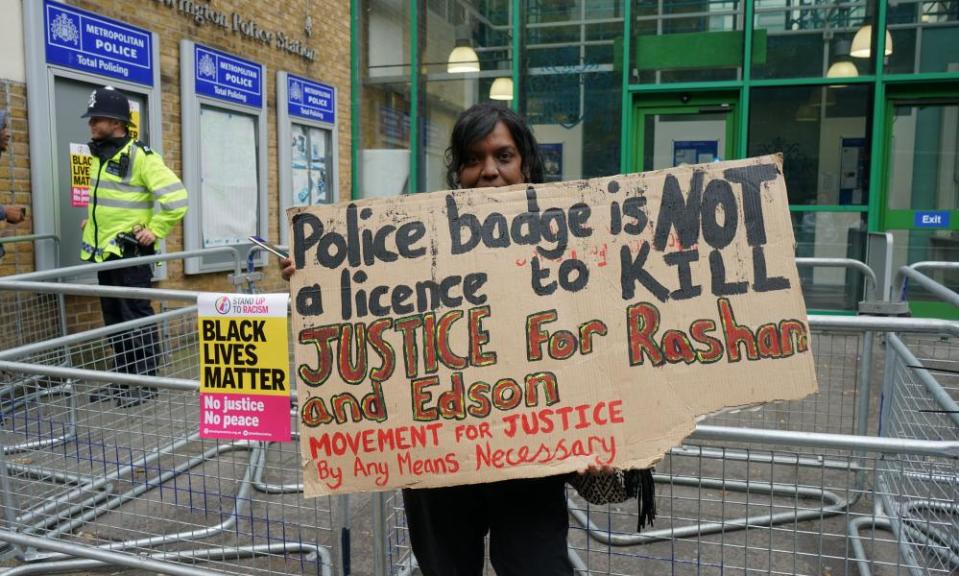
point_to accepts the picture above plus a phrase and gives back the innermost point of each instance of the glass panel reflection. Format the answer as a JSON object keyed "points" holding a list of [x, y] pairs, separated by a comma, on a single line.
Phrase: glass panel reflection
{"points": [[384, 115], [465, 50], [923, 157], [809, 39], [830, 235], [821, 132], [925, 36], [572, 85], [911, 246]]}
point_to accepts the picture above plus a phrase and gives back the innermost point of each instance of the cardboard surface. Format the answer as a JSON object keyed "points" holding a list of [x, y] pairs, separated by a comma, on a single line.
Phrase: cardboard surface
{"points": [[478, 335]]}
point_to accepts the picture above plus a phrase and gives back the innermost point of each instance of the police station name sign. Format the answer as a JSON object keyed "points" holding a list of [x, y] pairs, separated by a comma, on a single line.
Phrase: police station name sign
{"points": [[478, 335]]}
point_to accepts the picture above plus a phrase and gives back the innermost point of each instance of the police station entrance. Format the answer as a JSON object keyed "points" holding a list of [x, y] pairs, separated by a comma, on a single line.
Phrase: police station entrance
{"points": [[683, 128], [920, 204], [71, 52], [72, 192]]}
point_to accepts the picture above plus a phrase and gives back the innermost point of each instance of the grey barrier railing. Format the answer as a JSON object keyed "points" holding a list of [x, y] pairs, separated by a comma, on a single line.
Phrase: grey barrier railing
{"points": [[727, 435], [871, 286], [738, 444], [35, 238], [914, 273], [750, 446], [82, 269], [23, 318], [85, 501]]}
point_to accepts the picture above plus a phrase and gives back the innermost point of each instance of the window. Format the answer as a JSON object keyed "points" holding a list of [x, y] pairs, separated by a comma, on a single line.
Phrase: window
{"points": [[312, 165], [229, 192]]}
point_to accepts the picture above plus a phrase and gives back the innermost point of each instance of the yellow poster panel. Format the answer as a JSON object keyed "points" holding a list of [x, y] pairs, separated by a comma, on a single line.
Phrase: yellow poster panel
{"points": [[80, 159], [244, 355], [134, 128]]}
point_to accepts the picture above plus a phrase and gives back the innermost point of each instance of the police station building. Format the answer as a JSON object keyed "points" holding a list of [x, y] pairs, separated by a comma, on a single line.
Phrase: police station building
{"points": [[260, 106], [227, 93]]}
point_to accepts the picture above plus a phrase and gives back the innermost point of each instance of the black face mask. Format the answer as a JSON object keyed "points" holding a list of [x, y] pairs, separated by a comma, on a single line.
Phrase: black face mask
{"points": [[107, 148]]}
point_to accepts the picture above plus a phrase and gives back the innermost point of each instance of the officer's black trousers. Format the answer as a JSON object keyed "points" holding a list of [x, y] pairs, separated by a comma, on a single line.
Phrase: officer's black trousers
{"points": [[526, 520], [135, 351]]}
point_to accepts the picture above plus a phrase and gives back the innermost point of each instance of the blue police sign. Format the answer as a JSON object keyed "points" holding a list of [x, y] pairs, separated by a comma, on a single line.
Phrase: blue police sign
{"points": [[97, 45], [931, 219], [225, 77], [310, 100]]}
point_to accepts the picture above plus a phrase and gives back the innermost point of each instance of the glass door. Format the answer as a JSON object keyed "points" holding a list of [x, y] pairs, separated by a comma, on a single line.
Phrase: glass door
{"points": [[921, 192], [687, 128]]}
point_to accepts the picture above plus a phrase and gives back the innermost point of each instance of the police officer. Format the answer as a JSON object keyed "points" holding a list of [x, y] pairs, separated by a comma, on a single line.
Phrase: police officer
{"points": [[135, 200]]}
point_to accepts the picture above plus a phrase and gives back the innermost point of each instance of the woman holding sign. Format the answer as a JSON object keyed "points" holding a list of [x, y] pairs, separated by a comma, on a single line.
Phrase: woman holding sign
{"points": [[491, 146], [526, 519]]}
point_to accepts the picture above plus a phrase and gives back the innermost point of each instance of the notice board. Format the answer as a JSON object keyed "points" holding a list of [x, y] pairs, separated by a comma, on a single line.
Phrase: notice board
{"points": [[478, 335]]}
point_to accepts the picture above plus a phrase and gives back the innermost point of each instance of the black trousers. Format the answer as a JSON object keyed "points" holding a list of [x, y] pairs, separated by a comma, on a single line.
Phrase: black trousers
{"points": [[526, 520], [135, 351]]}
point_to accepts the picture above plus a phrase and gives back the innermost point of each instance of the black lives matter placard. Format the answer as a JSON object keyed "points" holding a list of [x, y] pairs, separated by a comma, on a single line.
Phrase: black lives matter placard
{"points": [[478, 335]]}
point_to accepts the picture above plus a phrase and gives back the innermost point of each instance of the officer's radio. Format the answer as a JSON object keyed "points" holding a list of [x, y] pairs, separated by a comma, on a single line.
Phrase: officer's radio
{"points": [[130, 246], [124, 165]]}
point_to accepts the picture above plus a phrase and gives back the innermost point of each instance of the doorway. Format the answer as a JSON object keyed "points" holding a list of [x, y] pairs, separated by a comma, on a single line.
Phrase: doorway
{"points": [[684, 128], [920, 201], [70, 102]]}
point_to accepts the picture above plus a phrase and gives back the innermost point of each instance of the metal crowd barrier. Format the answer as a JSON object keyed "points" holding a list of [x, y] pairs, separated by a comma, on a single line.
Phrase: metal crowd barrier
{"points": [[918, 496], [784, 488], [768, 490], [31, 317], [88, 482], [915, 273], [794, 487]]}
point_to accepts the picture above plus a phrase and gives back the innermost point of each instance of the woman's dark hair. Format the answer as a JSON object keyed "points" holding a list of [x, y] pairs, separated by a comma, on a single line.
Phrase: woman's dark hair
{"points": [[476, 123]]}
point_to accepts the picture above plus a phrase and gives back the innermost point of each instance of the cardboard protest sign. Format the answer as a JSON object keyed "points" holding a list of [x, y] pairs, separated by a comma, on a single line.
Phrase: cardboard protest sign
{"points": [[479, 335], [244, 367]]}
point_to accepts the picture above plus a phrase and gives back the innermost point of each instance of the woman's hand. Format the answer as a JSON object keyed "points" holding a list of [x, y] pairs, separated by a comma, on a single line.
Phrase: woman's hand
{"points": [[286, 268]]}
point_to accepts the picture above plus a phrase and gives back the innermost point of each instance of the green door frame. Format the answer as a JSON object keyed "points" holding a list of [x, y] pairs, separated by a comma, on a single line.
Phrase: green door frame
{"points": [[681, 103], [904, 219]]}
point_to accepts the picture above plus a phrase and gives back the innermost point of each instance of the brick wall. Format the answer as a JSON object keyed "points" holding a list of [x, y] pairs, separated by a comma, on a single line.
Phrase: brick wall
{"points": [[330, 39], [15, 177]]}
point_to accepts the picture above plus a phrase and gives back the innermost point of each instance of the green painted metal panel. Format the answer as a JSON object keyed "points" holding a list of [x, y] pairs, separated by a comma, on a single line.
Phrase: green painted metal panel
{"points": [[413, 182], [696, 50], [516, 29], [750, 36], [828, 208], [621, 53], [941, 310], [881, 116], [825, 312]]}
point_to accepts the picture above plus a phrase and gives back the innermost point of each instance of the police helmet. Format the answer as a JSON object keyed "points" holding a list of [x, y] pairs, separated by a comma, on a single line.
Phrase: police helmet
{"points": [[108, 102]]}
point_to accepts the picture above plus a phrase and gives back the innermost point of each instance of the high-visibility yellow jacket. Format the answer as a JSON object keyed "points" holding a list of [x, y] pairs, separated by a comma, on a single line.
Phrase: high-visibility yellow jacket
{"points": [[119, 202]]}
